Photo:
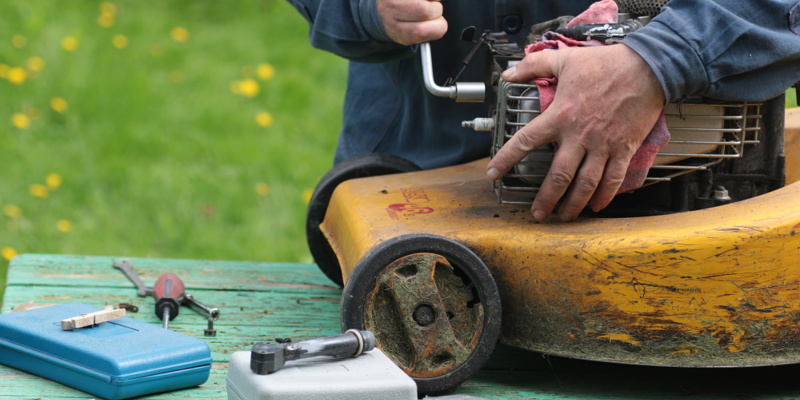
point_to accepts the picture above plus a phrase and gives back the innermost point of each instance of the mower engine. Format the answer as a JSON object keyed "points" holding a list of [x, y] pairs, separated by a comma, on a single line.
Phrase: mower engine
{"points": [[719, 152]]}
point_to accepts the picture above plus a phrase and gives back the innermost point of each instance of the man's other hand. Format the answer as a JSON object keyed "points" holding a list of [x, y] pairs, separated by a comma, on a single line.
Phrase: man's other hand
{"points": [[412, 21], [606, 102]]}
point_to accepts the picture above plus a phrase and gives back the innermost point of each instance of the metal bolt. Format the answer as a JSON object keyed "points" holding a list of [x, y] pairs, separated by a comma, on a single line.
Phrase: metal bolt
{"points": [[210, 331], [721, 194], [424, 315]]}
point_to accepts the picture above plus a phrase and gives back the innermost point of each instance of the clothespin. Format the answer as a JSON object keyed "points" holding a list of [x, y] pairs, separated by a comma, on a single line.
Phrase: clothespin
{"points": [[92, 319]]}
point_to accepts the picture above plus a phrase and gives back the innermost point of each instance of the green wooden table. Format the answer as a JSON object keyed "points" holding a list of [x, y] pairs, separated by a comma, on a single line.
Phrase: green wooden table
{"points": [[263, 301]]}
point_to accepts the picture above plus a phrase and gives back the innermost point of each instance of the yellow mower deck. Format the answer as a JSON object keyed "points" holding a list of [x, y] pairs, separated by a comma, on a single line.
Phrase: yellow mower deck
{"points": [[715, 287]]}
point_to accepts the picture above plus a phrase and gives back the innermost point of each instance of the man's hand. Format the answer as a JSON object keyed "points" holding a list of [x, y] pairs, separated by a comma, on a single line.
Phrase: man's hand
{"points": [[412, 21], [606, 102]]}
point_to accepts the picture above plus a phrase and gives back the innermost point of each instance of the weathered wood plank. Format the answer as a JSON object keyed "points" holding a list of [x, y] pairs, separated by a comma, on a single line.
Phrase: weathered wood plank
{"points": [[309, 308], [245, 317], [88, 271]]}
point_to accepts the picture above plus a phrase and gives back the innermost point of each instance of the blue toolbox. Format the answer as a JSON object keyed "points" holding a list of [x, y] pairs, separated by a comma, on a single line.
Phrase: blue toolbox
{"points": [[115, 359]]}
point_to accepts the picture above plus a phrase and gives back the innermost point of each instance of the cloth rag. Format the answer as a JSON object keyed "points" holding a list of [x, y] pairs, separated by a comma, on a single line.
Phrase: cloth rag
{"points": [[604, 11]]}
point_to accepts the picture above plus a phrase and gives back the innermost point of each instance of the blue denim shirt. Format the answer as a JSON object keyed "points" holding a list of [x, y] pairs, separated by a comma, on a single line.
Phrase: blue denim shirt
{"points": [[725, 49]]}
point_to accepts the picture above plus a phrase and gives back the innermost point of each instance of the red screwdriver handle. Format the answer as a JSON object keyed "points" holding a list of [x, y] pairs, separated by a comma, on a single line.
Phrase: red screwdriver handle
{"points": [[169, 285], [169, 292]]}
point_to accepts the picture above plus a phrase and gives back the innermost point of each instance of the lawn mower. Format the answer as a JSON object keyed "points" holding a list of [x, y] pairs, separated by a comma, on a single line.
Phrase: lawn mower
{"points": [[693, 269]]}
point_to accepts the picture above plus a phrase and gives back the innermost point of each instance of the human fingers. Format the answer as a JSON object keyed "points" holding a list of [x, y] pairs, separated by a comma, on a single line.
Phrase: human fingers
{"points": [[583, 186], [613, 177], [415, 10], [412, 21], [525, 140], [542, 64], [562, 171], [409, 33]]}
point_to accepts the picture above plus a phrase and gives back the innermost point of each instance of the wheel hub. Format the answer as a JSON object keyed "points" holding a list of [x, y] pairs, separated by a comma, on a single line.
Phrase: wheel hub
{"points": [[424, 315]]}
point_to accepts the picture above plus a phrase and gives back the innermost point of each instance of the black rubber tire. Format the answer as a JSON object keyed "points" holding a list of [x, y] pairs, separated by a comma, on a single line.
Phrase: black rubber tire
{"points": [[362, 166], [362, 281]]}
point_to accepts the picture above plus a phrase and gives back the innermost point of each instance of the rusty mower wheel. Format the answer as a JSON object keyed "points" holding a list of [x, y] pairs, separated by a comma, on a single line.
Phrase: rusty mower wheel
{"points": [[362, 166], [432, 304]]}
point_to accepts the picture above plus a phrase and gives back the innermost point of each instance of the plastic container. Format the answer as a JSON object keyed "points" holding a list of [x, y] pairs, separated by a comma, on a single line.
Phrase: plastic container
{"points": [[115, 360]]}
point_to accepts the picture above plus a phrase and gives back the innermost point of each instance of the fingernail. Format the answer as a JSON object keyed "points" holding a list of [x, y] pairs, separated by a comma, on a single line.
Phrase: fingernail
{"points": [[493, 174], [539, 215], [566, 216], [507, 74]]}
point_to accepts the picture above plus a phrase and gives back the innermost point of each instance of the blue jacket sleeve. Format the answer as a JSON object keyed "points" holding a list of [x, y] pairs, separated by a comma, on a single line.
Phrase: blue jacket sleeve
{"points": [[745, 50], [351, 29]]}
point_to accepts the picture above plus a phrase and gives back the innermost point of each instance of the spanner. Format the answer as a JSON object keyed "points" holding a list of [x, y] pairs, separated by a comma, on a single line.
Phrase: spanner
{"points": [[200, 308], [127, 268], [197, 306]]}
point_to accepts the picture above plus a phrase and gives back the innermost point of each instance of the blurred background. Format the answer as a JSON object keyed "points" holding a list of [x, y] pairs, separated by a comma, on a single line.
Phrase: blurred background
{"points": [[180, 129]]}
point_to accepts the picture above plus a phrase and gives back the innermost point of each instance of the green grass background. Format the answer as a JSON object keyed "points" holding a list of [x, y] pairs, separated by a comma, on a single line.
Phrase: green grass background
{"points": [[153, 167], [162, 167]]}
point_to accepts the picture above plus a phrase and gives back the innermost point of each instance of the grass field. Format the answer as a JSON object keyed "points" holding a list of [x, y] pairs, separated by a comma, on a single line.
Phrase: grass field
{"points": [[163, 129]]}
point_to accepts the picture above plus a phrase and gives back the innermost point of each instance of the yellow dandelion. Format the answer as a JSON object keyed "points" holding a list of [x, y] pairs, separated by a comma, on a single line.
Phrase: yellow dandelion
{"points": [[262, 189], [264, 119], [69, 43], [64, 225], [249, 88], [17, 75], [53, 180], [4, 71], [8, 253], [105, 20], [179, 34], [12, 211], [176, 76], [35, 64], [58, 104], [19, 41], [266, 71], [307, 195], [21, 121], [120, 41], [108, 8], [39, 190]]}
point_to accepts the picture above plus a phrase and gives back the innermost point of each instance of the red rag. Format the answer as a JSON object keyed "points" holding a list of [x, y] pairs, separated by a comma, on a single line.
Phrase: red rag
{"points": [[600, 12], [604, 11]]}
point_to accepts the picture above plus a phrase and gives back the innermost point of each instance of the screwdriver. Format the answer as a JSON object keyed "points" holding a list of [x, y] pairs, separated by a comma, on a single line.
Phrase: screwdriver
{"points": [[169, 293]]}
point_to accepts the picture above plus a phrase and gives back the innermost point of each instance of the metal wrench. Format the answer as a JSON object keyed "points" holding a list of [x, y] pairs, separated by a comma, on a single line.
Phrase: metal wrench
{"points": [[197, 306], [127, 269]]}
